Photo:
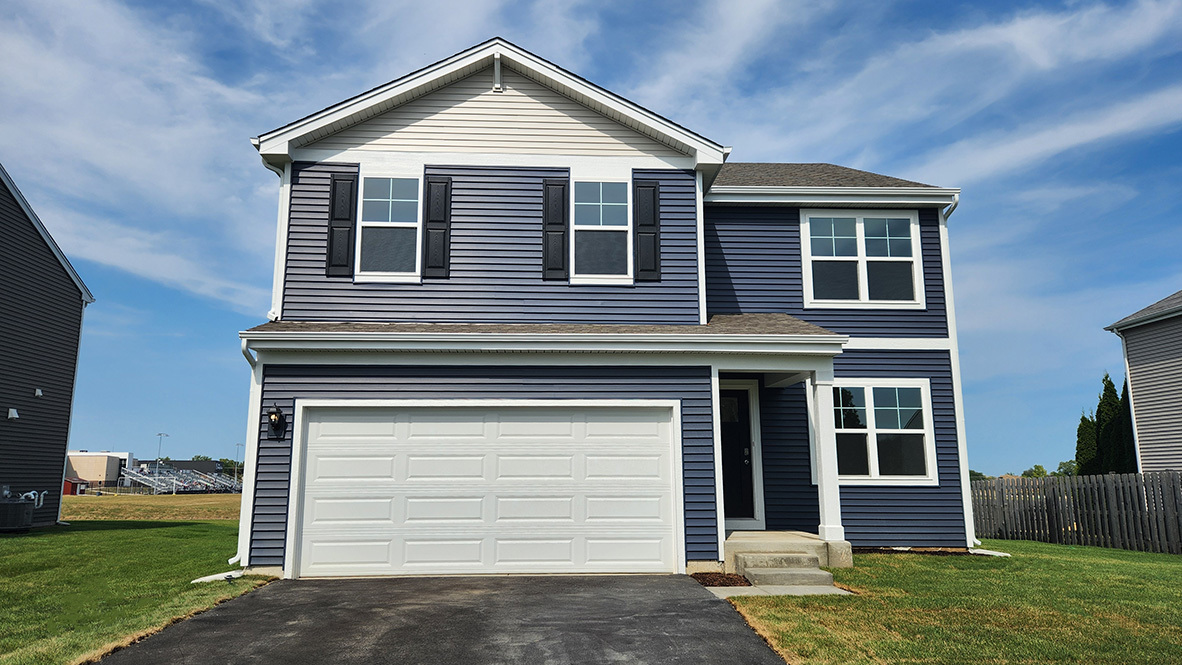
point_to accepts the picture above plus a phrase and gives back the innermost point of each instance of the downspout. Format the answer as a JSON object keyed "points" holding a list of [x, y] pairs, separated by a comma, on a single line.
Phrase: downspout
{"points": [[952, 208], [246, 354]]}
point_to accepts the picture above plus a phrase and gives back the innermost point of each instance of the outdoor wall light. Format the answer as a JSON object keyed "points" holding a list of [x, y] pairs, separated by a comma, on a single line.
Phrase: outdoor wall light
{"points": [[277, 422], [12, 414]]}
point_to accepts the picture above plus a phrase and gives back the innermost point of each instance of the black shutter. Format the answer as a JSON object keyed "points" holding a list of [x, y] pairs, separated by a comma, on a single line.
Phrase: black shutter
{"points": [[437, 227], [646, 197], [342, 213], [555, 220]]}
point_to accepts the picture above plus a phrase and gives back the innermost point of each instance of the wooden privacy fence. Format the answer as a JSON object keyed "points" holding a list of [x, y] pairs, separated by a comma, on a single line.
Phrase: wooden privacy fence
{"points": [[1132, 511]]}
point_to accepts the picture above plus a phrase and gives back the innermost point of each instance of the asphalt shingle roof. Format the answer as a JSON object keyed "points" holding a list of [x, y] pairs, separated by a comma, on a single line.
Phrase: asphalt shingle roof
{"points": [[719, 324], [1172, 303], [769, 174]]}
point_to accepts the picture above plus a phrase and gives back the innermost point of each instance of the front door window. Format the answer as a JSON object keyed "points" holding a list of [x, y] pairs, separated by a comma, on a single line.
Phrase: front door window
{"points": [[738, 481]]}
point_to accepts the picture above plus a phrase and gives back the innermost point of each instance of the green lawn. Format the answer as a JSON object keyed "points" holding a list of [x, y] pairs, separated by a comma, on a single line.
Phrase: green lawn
{"points": [[69, 593], [1046, 604]]}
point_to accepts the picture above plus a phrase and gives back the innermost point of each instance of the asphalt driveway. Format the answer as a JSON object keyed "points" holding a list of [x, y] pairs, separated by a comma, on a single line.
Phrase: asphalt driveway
{"points": [[470, 620]]}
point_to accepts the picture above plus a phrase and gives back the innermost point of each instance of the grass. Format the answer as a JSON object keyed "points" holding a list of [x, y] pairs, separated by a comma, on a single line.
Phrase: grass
{"points": [[71, 593], [149, 507], [1046, 604]]}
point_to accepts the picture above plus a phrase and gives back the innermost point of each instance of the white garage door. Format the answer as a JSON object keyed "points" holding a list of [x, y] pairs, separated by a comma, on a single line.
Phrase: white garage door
{"points": [[428, 490]]}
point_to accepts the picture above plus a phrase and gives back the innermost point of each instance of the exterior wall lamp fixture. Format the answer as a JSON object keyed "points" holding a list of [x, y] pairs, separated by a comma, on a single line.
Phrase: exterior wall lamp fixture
{"points": [[276, 422]]}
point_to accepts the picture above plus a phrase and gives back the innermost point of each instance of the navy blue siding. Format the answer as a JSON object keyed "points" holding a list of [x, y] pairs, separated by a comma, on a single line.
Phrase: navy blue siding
{"points": [[283, 384], [753, 264], [915, 516], [496, 258], [789, 495]]}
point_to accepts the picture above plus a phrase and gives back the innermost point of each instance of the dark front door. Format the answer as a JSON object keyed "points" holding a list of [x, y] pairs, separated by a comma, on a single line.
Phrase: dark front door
{"points": [[738, 486]]}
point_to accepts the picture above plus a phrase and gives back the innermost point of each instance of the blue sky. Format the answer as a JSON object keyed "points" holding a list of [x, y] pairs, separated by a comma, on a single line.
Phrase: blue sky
{"points": [[127, 124]]}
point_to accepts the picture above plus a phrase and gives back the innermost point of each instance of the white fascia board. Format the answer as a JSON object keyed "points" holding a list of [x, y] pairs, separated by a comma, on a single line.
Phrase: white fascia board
{"points": [[87, 296], [1152, 318], [276, 144], [811, 345], [818, 196]]}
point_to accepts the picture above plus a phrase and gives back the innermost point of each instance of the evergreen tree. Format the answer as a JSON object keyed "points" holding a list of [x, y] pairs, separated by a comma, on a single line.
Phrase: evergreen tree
{"points": [[1127, 457], [1108, 428], [1085, 445]]}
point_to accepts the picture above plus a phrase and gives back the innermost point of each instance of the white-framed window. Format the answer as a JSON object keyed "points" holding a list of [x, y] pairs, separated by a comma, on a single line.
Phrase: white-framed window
{"points": [[884, 432], [389, 230], [601, 232], [862, 259]]}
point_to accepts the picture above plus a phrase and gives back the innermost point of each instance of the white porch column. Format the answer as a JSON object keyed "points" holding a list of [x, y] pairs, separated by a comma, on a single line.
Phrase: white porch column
{"points": [[829, 498]]}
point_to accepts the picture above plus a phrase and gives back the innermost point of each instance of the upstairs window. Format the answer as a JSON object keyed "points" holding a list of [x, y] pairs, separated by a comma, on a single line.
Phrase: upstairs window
{"points": [[884, 432], [388, 230], [862, 259], [601, 251]]}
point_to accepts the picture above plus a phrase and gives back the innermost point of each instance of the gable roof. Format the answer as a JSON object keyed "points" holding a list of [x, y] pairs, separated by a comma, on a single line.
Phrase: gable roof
{"points": [[1165, 308], [768, 174], [275, 145], [87, 297]]}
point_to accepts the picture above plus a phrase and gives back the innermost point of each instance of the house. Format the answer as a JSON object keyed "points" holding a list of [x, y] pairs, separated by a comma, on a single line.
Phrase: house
{"points": [[522, 324], [99, 469], [42, 299], [1151, 340]]}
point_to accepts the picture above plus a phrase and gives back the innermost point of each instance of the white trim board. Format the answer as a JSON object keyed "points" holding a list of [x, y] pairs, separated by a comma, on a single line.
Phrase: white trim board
{"points": [[250, 464], [281, 234], [962, 448], [299, 452], [932, 477], [839, 196], [861, 260]]}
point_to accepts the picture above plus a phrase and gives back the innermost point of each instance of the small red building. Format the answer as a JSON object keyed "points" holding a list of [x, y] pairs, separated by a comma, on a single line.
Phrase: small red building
{"points": [[74, 486]]}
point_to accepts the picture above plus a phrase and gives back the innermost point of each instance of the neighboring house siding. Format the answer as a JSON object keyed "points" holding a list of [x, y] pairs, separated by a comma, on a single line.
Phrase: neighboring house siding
{"points": [[916, 516], [753, 264], [1154, 352], [467, 116], [39, 327], [496, 258], [283, 384]]}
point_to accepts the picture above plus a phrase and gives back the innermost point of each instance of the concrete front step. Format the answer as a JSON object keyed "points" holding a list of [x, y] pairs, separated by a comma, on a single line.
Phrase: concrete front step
{"points": [[775, 560], [788, 576]]}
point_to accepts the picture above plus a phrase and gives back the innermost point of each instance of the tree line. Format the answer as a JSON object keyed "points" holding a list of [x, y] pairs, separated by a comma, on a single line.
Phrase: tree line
{"points": [[1103, 439]]}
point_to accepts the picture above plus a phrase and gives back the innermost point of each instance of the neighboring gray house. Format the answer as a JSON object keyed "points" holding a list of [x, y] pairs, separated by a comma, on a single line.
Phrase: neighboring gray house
{"points": [[1152, 344], [521, 324], [41, 303]]}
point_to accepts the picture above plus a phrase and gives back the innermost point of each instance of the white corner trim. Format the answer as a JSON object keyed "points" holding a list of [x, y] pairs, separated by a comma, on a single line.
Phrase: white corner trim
{"points": [[87, 296], [716, 424], [1124, 350], [249, 464], [70, 423], [299, 450], [281, 229], [862, 260], [962, 450], [700, 211]]}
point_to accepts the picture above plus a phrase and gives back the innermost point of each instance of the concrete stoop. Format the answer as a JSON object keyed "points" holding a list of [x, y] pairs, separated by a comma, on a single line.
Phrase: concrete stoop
{"points": [[783, 563], [782, 570], [829, 554]]}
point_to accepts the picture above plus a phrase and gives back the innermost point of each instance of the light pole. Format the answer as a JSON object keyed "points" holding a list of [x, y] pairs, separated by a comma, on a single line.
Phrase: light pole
{"points": [[238, 467], [159, 444]]}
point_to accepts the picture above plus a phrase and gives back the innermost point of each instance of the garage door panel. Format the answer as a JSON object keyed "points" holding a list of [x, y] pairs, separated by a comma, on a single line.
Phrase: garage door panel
{"points": [[493, 490]]}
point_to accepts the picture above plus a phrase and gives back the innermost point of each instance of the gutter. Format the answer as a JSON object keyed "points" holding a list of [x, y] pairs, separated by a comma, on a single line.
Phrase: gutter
{"points": [[1152, 318], [829, 345], [861, 196]]}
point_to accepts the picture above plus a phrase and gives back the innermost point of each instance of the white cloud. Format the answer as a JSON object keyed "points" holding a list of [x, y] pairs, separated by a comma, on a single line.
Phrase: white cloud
{"points": [[1010, 152]]}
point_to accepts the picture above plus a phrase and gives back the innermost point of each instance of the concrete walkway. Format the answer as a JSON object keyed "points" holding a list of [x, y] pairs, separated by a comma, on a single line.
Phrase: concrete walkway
{"points": [[471, 620], [776, 590]]}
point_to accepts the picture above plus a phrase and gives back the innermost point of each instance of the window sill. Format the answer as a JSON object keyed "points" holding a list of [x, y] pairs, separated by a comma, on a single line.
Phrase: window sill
{"points": [[888, 481], [864, 304], [367, 278], [602, 281]]}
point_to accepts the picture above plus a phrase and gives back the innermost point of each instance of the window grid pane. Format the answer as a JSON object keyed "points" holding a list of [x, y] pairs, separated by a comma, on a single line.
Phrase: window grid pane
{"points": [[391, 200], [849, 408], [601, 204], [898, 408], [833, 236], [890, 237]]}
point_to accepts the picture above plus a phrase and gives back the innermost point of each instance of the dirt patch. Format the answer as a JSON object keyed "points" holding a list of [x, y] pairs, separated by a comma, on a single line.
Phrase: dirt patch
{"points": [[936, 551], [720, 579]]}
